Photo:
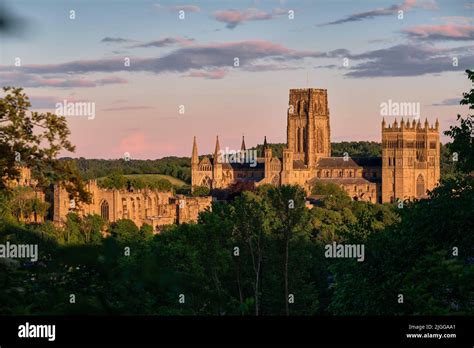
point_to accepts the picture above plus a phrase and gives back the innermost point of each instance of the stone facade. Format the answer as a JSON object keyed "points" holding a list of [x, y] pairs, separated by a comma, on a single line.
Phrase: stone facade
{"points": [[307, 158], [410, 160], [144, 206]]}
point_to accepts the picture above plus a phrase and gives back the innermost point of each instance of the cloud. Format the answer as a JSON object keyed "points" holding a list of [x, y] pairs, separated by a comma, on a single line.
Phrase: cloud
{"points": [[49, 102], [449, 101], [18, 78], [387, 11], [209, 61], [234, 18], [185, 8], [410, 60], [135, 144], [110, 80], [43, 102], [168, 41], [455, 19], [469, 6], [128, 108], [114, 40], [270, 67], [280, 11], [198, 57], [209, 74], [457, 32]]}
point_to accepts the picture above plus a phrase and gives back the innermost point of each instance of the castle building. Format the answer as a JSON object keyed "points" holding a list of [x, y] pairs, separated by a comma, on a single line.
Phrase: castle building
{"points": [[144, 206], [31, 192], [409, 165]]}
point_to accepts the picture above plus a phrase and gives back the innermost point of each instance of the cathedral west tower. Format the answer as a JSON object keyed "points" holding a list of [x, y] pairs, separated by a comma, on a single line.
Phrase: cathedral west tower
{"points": [[308, 130]]}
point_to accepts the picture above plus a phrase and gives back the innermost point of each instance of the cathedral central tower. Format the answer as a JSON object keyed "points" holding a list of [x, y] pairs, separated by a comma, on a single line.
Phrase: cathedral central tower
{"points": [[308, 130]]}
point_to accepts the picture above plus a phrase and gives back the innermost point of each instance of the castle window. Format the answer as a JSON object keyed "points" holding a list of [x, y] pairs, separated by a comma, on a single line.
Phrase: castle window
{"points": [[350, 173], [340, 173], [420, 186], [104, 210]]}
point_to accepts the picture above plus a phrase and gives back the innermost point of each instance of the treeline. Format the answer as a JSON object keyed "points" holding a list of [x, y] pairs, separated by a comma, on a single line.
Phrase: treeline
{"points": [[118, 181], [180, 167]]}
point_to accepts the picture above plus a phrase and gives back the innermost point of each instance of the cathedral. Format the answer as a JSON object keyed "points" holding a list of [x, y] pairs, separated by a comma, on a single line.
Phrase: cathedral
{"points": [[408, 168]]}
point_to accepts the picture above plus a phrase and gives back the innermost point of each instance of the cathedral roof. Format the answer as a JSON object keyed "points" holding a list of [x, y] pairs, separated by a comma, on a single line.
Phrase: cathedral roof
{"points": [[336, 162], [368, 161], [298, 164]]}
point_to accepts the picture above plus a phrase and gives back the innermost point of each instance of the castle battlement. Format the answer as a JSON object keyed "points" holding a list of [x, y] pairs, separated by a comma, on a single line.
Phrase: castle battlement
{"points": [[413, 126]]}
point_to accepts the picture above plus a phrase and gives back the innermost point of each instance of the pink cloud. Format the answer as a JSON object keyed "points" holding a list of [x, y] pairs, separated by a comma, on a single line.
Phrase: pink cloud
{"points": [[212, 74], [22, 79], [135, 144], [186, 8], [111, 80], [236, 17], [442, 32]]}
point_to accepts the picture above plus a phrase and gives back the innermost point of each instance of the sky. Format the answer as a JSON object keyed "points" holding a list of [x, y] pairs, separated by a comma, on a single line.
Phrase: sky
{"points": [[182, 79]]}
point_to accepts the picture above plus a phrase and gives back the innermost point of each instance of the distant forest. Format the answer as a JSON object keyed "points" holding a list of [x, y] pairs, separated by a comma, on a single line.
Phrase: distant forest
{"points": [[180, 167]]}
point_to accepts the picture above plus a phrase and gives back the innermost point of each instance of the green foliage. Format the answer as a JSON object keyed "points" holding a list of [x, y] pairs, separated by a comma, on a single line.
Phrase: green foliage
{"points": [[34, 140], [361, 149], [201, 191], [463, 144], [124, 231], [119, 181], [114, 181], [176, 167]]}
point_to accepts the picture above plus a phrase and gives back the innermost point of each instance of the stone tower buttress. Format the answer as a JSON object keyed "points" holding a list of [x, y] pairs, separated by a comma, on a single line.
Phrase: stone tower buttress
{"points": [[194, 164], [217, 166]]}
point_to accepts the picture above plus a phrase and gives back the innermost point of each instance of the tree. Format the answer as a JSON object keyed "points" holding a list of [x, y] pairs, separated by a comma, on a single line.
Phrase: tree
{"points": [[252, 219], [124, 231], [291, 221], [114, 181], [462, 134], [34, 140]]}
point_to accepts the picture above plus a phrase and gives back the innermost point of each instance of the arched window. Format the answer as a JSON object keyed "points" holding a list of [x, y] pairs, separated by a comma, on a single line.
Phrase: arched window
{"points": [[420, 186], [319, 141], [104, 210], [206, 181]]}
